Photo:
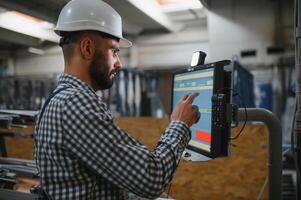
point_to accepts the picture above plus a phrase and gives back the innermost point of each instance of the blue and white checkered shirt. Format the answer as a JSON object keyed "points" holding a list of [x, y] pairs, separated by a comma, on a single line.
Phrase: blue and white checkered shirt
{"points": [[82, 154]]}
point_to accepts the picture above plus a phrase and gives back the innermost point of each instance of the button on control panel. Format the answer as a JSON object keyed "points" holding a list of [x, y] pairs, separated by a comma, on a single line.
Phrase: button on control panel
{"points": [[219, 105]]}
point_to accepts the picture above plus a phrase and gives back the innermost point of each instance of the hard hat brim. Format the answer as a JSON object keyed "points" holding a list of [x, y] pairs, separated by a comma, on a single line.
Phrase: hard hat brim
{"points": [[124, 43]]}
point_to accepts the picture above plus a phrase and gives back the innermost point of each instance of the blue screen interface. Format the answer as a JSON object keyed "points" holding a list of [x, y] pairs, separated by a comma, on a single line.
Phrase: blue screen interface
{"points": [[200, 81]]}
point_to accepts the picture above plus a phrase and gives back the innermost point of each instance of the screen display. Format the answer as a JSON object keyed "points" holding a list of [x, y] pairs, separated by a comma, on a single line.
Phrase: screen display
{"points": [[200, 81]]}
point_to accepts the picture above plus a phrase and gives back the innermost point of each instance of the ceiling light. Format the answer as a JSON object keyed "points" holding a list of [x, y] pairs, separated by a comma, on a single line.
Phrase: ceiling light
{"points": [[35, 51], [28, 25], [179, 5]]}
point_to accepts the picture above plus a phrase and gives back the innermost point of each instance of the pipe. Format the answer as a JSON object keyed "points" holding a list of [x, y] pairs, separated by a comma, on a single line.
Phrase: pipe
{"points": [[274, 146], [297, 122]]}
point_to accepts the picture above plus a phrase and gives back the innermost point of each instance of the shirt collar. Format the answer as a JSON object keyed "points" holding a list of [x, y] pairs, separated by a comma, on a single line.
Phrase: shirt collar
{"points": [[74, 82]]}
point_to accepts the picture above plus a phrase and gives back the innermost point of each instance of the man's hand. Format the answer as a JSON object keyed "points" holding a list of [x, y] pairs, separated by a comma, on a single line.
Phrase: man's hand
{"points": [[185, 111]]}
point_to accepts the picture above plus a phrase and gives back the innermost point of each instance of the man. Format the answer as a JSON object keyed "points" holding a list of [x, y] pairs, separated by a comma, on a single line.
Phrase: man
{"points": [[80, 152]]}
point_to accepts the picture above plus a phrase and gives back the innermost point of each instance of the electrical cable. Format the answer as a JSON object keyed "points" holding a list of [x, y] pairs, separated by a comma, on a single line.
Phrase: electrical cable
{"points": [[262, 188], [245, 108], [246, 118]]}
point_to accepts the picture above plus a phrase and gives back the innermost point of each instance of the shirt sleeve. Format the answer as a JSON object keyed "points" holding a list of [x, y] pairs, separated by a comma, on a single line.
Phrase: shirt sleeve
{"points": [[92, 136]]}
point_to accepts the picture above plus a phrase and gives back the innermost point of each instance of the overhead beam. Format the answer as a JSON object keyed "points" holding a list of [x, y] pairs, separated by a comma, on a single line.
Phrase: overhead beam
{"points": [[205, 3], [153, 10], [145, 15], [18, 38], [43, 13], [17, 22], [131, 29]]}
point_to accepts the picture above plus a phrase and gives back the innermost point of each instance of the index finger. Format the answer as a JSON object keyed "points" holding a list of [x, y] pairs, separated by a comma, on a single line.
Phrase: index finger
{"points": [[184, 97], [191, 97]]}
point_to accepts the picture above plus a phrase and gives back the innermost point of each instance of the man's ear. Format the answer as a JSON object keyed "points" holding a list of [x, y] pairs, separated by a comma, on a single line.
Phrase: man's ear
{"points": [[87, 48]]}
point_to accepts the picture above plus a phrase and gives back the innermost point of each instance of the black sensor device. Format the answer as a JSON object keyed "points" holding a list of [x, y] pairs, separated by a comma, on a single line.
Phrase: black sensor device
{"points": [[211, 135]]}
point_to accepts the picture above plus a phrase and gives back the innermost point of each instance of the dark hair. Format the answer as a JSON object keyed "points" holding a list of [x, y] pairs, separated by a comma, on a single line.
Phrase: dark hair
{"points": [[65, 38], [72, 36]]}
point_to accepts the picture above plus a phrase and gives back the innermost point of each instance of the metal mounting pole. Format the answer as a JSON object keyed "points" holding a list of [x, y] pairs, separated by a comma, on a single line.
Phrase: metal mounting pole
{"points": [[274, 147]]}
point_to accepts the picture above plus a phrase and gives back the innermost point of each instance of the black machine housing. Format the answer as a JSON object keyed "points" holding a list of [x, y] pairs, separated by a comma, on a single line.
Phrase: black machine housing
{"points": [[221, 109]]}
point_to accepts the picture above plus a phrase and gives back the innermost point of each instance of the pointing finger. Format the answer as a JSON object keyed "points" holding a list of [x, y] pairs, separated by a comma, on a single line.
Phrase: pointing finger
{"points": [[191, 97], [184, 97]]}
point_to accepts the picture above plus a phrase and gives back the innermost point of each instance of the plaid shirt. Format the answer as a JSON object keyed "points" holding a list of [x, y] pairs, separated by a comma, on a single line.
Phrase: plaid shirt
{"points": [[82, 154]]}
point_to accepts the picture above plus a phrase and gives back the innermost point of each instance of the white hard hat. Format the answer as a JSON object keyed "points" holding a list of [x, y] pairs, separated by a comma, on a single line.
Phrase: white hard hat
{"points": [[80, 15]]}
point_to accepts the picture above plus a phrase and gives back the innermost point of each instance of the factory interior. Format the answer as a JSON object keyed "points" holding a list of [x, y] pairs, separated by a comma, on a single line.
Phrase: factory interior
{"points": [[252, 50]]}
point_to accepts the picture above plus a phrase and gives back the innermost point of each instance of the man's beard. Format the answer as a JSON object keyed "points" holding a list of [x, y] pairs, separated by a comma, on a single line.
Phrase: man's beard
{"points": [[99, 73]]}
